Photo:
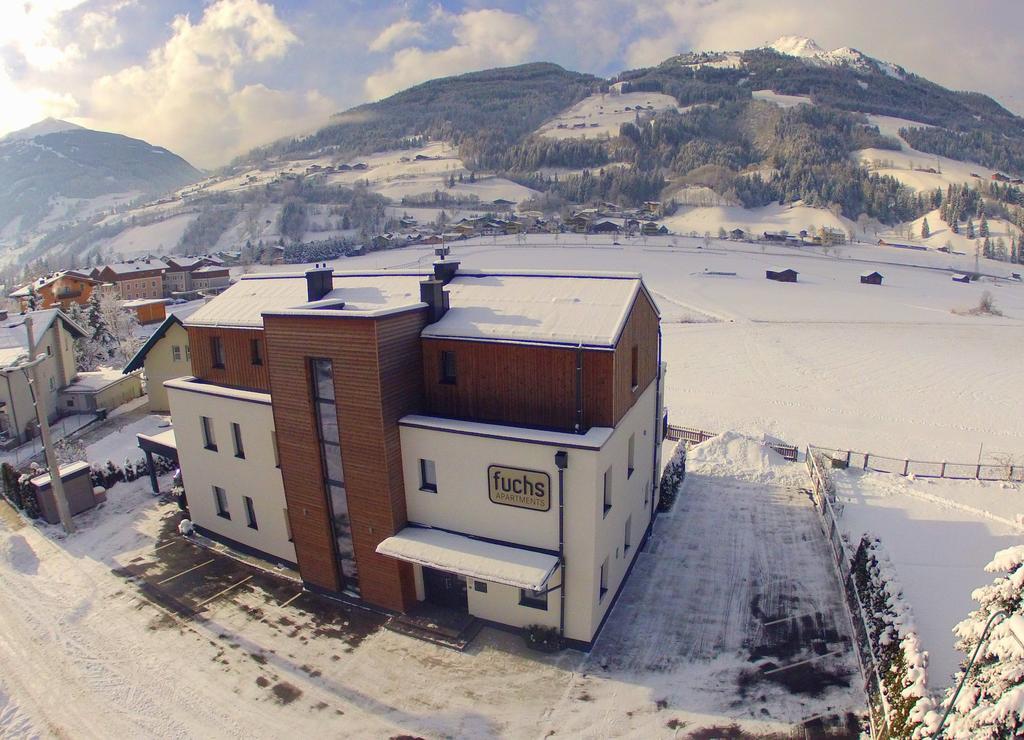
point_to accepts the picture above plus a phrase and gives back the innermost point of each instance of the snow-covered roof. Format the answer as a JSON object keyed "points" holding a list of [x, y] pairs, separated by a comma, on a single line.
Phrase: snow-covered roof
{"points": [[551, 308], [142, 302], [484, 561], [65, 471], [13, 335], [42, 282], [593, 439], [94, 380], [243, 304], [125, 268], [210, 268], [164, 439]]}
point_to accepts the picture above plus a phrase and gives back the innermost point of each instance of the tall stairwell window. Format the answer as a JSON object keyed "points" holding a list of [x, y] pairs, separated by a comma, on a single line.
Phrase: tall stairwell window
{"points": [[329, 434]]}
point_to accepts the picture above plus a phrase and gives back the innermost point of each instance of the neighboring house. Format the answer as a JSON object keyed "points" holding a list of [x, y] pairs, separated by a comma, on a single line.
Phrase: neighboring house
{"points": [[781, 274], [871, 278], [210, 278], [397, 439], [100, 390], [147, 310], [133, 280], [164, 356], [59, 289], [55, 334]]}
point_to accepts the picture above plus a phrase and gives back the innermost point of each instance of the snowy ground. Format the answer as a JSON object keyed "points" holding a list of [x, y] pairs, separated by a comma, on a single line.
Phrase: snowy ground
{"points": [[940, 534], [124, 630], [755, 221], [826, 361], [732, 612], [602, 114]]}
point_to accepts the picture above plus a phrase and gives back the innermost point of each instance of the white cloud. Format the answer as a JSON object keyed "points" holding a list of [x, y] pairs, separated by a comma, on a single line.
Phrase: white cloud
{"points": [[186, 95], [20, 107], [399, 32], [483, 39]]}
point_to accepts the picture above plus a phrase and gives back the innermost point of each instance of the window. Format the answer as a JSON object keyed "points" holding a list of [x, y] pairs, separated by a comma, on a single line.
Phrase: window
{"points": [[209, 440], [256, 351], [448, 371], [480, 586], [630, 455], [221, 500], [634, 368], [607, 491], [217, 352], [647, 489], [236, 436], [287, 525], [176, 353], [188, 352], [250, 513], [273, 443], [533, 599], [428, 476], [71, 404], [604, 580], [627, 539], [49, 352]]}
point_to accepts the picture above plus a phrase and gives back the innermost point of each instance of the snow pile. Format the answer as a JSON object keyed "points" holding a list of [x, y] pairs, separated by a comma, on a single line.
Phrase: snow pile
{"points": [[185, 527], [18, 553], [734, 455]]}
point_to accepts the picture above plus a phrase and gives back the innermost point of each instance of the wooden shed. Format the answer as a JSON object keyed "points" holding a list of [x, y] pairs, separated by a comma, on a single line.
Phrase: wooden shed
{"points": [[148, 311], [871, 278], [781, 274], [961, 278], [77, 489]]}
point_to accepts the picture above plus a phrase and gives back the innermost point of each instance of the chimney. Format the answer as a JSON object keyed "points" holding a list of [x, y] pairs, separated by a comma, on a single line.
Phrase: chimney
{"points": [[444, 270], [433, 294], [319, 282]]}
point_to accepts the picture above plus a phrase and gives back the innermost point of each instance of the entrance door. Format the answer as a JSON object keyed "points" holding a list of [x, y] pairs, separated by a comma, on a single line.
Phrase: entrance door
{"points": [[445, 589]]}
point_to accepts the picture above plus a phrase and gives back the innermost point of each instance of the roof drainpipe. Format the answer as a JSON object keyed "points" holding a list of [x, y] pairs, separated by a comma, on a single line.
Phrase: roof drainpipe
{"points": [[579, 389], [561, 462]]}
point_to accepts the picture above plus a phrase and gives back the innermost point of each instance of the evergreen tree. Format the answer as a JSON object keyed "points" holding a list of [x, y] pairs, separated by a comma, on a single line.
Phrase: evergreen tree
{"points": [[983, 226], [954, 225], [925, 230], [989, 705], [970, 228], [33, 298], [986, 248]]}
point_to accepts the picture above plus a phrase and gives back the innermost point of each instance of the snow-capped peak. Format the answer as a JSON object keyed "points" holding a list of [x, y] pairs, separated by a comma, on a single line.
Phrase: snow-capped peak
{"points": [[796, 46], [845, 56]]}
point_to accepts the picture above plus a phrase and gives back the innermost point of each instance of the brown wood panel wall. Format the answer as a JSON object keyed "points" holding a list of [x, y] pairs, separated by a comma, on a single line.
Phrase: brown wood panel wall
{"points": [[641, 331], [238, 370], [377, 380]]}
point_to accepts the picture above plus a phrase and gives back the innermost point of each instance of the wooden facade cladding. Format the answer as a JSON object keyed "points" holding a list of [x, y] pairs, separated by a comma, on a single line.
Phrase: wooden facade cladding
{"points": [[377, 381], [535, 385], [239, 371]]}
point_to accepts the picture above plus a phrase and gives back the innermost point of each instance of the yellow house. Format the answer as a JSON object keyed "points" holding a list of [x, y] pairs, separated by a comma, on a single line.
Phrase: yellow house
{"points": [[164, 356]]}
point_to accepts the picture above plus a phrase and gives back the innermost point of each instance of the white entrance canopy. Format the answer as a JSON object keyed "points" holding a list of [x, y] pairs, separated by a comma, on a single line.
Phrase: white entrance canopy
{"points": [[484, 561]]}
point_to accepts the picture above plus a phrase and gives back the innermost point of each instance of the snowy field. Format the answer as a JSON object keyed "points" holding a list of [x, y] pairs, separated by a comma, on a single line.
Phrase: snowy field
{"points": [[827, 360], [755, 221], [601, 115], [940, 534]]}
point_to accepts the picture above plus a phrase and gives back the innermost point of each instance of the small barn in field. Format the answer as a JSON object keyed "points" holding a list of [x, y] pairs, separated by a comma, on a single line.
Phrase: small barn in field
{"points": [[781, 274], [871, 278], [961, 278]]}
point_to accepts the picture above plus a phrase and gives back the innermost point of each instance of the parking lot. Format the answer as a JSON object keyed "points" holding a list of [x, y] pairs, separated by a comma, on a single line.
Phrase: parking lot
{"points": [[192, 579]]}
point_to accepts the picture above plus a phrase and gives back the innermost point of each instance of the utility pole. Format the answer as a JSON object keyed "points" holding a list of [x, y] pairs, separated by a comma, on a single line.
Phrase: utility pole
{"points": [[39, 401]]}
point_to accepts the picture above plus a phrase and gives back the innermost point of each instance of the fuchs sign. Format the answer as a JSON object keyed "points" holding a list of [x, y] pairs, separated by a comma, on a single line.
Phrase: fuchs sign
{"points": [[526, 489]]}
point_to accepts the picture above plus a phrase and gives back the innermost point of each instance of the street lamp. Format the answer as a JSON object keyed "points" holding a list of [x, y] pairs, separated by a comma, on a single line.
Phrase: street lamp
{"points": [[1016, 624]]}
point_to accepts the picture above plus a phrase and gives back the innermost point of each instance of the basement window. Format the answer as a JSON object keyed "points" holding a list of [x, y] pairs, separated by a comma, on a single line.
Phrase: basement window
{"points": [[604, 580], [250, 513], [533, 599]]}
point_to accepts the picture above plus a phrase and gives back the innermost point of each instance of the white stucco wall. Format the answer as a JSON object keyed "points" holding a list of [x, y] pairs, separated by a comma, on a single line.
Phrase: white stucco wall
{"points": [[160, 365], [461, 504], [256, 476], [55, 372]]}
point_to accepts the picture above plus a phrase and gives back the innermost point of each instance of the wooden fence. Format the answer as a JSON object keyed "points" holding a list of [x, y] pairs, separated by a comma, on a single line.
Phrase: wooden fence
{"points": [[921, 468], [696, 436]]}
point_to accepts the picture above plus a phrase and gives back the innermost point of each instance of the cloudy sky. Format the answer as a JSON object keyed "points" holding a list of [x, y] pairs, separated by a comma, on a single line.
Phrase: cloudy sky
{"points": [[210, 79]]}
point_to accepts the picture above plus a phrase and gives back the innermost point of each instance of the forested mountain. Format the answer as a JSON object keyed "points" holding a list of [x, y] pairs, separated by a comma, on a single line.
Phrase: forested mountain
{"points": [[55, 160], [727, 123]]}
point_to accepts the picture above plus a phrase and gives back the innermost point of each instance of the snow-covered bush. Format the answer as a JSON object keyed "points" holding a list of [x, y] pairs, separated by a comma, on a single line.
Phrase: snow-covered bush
{"points": [[902, 664], [672, 478], [110, 474], [991, 704]]}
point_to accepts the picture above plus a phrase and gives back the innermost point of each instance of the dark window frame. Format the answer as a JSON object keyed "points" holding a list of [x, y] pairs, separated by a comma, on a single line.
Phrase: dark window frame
{"points": [[425, 485], [250, 513], [236, 438], [480, 586], [256, 352], [209, 437], [217, 352], [532, 600], [220, 498], [449, 368], [634, 367]]}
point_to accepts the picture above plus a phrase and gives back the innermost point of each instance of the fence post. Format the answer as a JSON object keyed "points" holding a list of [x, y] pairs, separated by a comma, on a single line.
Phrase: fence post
{"points": [[942, 473], [906, 467], [977, 472], [847, 458], [866, 456]]}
